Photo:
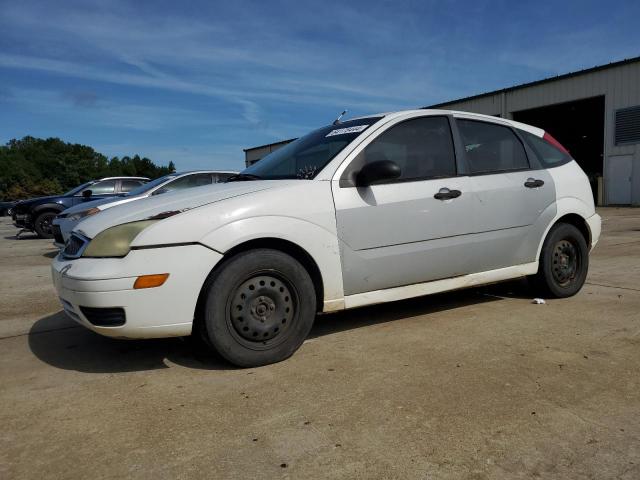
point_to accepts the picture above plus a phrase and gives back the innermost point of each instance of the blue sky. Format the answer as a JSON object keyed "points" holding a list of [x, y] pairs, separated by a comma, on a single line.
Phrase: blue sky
{"points": [[195, 82]]}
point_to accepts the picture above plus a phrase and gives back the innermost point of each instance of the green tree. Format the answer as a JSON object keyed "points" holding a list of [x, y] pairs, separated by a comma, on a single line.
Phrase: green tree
{"points": [[34, 166]]}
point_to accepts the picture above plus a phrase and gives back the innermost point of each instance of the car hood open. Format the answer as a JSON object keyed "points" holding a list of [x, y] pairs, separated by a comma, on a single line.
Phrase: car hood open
{"points": [[169, 202]]}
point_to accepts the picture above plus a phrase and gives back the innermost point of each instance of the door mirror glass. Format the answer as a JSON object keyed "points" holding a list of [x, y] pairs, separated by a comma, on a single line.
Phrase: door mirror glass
{"points": [[377, 171], [87, 193]]}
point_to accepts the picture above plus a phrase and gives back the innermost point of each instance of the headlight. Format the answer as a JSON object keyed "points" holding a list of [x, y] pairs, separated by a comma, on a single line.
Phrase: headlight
{"points": [[115, 241], [83, 213]]}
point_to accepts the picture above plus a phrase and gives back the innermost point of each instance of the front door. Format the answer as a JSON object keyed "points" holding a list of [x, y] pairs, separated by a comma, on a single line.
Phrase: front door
{"points": [[412, 229]]}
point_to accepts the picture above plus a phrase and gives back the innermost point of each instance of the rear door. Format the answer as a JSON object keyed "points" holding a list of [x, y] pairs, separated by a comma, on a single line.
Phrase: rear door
{"points": [[398, 232], [512, 195]]}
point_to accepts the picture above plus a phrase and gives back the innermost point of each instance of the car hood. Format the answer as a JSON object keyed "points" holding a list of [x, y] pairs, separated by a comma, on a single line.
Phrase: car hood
{"points": [[173, 201], [34, 201], [81, 207]]}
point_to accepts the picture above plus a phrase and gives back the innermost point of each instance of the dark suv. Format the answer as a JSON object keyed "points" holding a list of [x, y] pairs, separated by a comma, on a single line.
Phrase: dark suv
{"points": [[36, 214]]}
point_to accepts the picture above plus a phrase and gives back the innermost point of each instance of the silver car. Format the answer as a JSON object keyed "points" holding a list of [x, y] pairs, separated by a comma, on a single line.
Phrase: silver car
{"points": [[66, 221]]}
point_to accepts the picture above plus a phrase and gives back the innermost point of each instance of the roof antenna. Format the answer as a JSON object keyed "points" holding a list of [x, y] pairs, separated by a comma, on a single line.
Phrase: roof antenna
{"points": [[337, 120]]}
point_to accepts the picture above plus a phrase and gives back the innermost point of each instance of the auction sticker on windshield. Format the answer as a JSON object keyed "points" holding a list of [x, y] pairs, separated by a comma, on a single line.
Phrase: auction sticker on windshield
{"points": [[342, 131]]}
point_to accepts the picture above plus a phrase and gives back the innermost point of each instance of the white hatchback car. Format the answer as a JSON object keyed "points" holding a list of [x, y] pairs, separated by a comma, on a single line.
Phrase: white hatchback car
{"points": [[373, 209]]}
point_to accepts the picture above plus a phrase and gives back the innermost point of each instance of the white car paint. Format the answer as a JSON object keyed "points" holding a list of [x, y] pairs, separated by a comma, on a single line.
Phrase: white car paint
{"points": [[215, 219]]}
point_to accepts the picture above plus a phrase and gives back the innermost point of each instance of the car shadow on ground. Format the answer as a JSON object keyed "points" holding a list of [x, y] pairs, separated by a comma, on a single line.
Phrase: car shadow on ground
{"points": [[23, 236], [61, 343]]}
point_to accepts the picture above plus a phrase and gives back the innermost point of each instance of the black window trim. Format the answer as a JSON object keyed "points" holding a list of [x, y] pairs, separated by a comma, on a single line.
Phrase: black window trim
{"points": [[346, 182], [527, 155]]}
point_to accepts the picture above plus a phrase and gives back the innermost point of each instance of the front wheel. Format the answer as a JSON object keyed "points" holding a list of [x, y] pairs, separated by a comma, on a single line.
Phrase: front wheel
{"points": [[564, 262], [43, 223], [259, 308]]}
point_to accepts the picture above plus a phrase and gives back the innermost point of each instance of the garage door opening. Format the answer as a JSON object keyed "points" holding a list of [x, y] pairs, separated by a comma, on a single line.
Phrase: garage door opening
{"points": [[579, 126]]}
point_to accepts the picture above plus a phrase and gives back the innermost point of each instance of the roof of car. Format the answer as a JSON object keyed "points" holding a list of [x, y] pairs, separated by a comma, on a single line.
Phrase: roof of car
{"points": [[203, 171], [123, 178], [479, 116]]}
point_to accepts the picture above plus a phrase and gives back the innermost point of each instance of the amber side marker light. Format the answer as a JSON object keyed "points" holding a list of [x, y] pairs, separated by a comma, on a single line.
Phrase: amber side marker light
{"points": [[150, 281]]}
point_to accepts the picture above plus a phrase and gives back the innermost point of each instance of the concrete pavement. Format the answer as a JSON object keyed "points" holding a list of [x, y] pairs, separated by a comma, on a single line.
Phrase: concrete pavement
{"points": [[475, 384]]}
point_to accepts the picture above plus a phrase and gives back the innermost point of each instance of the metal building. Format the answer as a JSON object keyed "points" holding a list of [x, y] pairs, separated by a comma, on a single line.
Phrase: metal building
{"points": [[253, 154], [594, 113]]}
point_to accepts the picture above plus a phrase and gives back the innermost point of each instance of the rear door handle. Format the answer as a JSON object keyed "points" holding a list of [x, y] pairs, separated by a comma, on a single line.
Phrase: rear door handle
{"points": [[446, 194], [533, 183]]}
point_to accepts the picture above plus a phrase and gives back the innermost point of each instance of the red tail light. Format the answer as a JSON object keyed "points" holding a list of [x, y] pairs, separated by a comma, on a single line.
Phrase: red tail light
{"points": [[555, 143]]}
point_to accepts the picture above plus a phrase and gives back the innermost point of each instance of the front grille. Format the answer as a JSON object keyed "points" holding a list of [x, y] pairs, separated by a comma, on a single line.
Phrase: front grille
{"points": [[104, 317], [57, 233], [74, 246]]}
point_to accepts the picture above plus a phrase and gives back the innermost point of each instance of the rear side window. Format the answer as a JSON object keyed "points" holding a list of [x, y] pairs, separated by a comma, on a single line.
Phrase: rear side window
{"points": [[128, 185], [549, 155], [491, 148], [422, 148]]}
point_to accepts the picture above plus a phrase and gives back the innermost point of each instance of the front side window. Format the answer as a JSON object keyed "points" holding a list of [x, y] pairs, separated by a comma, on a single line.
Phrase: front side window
{"points": [[305, 157], [104, 187], [150, 185], [491, 148], [201, 179], [221, 177], [421, 147], [187, 181]]}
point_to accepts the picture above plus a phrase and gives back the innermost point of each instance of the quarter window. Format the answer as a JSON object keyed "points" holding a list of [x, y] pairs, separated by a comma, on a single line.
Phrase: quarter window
{"points": [[422, 148], [548, 155], [490, 147]]}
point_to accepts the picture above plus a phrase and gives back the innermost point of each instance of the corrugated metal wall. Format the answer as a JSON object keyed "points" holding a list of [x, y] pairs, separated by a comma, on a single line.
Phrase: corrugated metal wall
{"points": [[620, 84]]}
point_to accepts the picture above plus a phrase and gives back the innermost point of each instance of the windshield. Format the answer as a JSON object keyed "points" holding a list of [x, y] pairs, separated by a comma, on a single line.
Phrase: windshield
{"points": [[149, 185], [306, 156], [73, 191]]}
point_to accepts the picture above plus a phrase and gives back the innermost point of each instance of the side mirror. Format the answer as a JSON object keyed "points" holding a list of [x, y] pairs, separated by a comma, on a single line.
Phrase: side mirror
{"points": [[376, 171], [160, 191], [87, 193]]}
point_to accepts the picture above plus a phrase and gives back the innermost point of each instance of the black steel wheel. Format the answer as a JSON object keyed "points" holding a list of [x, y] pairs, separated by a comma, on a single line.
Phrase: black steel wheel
{"points": [[261, 311], [43, 224], [259, 307], [564, 262]]}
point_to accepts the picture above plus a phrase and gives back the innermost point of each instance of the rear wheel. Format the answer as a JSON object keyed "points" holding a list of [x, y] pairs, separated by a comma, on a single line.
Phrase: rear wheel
{"points": [[43, 223], [259, 308], [564, 262]]}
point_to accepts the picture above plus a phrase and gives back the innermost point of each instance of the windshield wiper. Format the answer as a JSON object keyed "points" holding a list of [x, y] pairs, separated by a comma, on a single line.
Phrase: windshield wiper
{"points": [[241, 177]]}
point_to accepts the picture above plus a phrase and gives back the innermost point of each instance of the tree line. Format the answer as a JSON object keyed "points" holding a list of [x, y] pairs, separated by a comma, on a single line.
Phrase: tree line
{"points": [[32, 167]]}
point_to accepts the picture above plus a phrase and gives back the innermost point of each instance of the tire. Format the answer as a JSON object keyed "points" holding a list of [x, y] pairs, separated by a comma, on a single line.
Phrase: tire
{"points": [[564, 262], [259, 307], [42, 225]]}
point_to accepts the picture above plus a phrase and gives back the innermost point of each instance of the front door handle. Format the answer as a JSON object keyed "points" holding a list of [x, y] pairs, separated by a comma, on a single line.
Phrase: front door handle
{"points": [[533, 183], [446, 194]]}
